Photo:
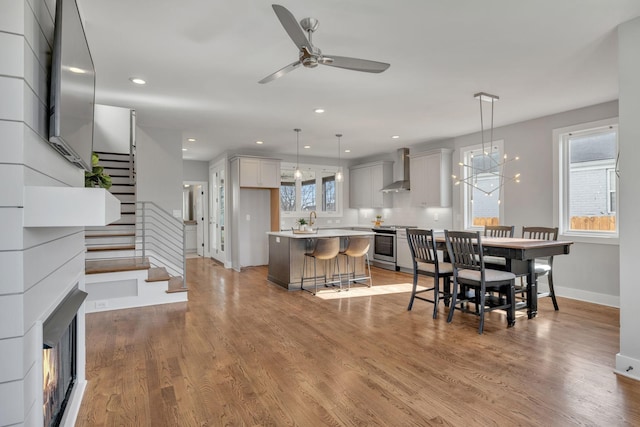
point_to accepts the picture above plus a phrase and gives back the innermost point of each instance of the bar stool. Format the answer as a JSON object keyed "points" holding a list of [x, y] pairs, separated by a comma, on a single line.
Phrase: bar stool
{"points": [[357, 247], [325, 249]]}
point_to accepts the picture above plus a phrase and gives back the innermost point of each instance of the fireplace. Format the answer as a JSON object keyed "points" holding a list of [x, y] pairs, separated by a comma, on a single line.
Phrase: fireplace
{"points": [[59, 364]]}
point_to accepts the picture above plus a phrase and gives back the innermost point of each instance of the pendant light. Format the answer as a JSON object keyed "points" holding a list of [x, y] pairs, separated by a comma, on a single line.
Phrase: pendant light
{"points": [[339, 176], [297, 174]]}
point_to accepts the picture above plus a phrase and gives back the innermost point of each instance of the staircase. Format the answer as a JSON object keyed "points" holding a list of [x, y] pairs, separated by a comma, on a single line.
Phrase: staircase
{"points": [[121, 271]]}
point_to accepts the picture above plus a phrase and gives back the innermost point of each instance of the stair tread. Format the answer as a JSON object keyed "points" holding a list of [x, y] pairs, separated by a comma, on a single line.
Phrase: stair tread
{"points": [[111, 248], [95, 235], [175, 285], [115, 265], [157, 274]]}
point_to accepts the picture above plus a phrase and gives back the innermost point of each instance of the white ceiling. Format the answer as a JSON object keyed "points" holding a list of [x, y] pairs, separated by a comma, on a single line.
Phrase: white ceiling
{"points": [[203, 59]]}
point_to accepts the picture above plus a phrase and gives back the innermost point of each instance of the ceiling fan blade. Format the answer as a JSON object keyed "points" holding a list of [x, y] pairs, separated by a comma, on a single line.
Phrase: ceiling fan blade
{"points": [[291, 26], [354, 64], [281, 72]]}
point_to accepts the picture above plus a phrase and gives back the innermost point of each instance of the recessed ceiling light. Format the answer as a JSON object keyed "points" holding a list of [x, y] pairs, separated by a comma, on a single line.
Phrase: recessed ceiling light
{"points": [[395, 136], [259, 142], [347, 151], [184, 149], [186, 186], [307, 146], [319, 110], [137, 80], [191, 139], [77, 70]]}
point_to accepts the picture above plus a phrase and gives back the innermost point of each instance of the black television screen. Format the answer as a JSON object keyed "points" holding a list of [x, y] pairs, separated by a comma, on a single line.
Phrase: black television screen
{"points": [[72, 95]]}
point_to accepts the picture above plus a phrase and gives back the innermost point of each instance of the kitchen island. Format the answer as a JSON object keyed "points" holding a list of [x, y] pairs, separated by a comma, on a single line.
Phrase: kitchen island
{"points": [[287, 249]]}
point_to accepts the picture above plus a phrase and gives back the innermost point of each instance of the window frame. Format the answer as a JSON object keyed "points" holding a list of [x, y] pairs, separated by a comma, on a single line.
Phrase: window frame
{"points": [[319, 171], [465, 193], [561, 183]]}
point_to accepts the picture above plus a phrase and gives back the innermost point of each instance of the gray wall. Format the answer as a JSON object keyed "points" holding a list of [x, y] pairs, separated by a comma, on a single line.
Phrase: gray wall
{"points": [[159, 167], [591, 271], [194, 170]]}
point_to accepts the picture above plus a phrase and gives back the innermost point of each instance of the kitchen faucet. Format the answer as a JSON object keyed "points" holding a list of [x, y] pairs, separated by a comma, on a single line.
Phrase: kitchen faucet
{"points": [[312, 216]]}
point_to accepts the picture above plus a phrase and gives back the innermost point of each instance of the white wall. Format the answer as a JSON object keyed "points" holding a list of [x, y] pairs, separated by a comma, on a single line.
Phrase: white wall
{"points": [[159, 167], [111, 129], [629, 65], [39, 265]]}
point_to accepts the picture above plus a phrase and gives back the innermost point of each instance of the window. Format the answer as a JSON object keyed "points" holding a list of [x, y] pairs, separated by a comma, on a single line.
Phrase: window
{"points": [[329, 193], [316, 191], [482, 197], [588, 188]]}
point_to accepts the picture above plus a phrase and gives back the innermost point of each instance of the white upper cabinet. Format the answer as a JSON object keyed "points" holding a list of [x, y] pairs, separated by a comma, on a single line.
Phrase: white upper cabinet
{"points": [[431, 178], [259, 173], [365, 183]]}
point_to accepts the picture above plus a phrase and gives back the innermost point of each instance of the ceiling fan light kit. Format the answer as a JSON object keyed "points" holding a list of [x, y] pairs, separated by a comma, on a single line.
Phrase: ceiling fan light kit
{"points": [[311, 56]]}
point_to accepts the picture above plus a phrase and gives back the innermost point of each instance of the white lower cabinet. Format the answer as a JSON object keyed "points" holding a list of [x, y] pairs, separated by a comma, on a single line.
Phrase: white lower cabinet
{"points": [[403, 253]]}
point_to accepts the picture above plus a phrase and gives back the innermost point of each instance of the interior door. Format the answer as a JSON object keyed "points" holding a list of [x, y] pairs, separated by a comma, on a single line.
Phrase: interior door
{"points": [[199, 216], [217, 214]]}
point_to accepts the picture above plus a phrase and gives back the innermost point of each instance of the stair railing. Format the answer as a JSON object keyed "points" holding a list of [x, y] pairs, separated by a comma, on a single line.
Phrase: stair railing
{"points": [[161, 236], [132, 146]]}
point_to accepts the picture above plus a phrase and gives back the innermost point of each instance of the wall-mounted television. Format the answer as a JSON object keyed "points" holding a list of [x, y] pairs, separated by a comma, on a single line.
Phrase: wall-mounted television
{"points": [[72, 96]]}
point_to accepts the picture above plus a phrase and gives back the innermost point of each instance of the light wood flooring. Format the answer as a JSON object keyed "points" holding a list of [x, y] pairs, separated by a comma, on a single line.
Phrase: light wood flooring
{"points": [[243, 351]]}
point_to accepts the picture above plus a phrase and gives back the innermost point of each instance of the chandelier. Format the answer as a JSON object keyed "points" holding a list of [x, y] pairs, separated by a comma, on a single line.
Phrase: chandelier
{"points": [[485, 172]]}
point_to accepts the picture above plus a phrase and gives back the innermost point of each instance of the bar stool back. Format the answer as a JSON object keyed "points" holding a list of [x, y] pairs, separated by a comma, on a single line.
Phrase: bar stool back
{"points": [[357, 247], [325, 249]]}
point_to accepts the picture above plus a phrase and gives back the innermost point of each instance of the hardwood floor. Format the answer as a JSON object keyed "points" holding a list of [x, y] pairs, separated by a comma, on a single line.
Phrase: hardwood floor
{"points": [[243, 351]]}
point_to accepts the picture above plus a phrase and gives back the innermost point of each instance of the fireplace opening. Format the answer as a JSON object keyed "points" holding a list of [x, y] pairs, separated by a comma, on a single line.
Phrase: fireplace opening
{"points": [[59, 357]]}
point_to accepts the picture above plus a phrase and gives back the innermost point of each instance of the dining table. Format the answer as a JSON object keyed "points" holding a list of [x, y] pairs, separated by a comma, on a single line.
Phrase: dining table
{"points": [[520, 255]]}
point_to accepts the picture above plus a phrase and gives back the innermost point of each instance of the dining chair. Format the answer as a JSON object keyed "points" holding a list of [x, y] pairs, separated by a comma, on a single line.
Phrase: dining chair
{"points": [[357, 247], [499, 230], [324, 249], [543, 266], [466, 255], [425, 262], [496, 262]]}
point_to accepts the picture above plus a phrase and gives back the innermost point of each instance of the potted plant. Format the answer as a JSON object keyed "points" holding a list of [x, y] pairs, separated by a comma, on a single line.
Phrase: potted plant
{"points": [[97, 177], [302, 224]]}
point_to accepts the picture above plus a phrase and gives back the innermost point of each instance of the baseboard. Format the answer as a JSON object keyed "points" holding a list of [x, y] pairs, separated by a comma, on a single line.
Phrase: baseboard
{"points": [[588, 296], [627, 367]]}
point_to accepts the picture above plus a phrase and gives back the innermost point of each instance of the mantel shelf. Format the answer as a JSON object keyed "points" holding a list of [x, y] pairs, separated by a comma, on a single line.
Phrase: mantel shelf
{"points": [[69, 207]]}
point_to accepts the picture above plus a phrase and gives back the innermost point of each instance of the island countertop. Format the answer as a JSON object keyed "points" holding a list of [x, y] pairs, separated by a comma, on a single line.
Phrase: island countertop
{"points": [[322, 232]]}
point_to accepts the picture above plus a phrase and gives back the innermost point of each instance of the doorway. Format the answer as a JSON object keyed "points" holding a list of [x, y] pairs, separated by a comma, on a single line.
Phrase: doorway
{"points": [[195, 212]]}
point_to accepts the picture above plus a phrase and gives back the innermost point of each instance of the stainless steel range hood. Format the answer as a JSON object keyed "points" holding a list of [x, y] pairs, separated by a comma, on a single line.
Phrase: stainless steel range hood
{"points": [[402, 172]]}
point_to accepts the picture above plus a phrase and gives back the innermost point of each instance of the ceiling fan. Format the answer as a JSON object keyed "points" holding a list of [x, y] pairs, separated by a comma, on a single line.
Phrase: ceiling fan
{"points": [[311, 56]]}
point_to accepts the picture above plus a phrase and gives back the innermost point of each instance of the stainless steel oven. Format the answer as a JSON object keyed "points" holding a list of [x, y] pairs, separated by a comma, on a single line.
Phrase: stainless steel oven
{"points": [[384, 248]]}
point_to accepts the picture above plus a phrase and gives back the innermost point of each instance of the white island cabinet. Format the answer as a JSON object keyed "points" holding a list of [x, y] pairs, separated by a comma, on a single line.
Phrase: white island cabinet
{"points": [[431, 178]]}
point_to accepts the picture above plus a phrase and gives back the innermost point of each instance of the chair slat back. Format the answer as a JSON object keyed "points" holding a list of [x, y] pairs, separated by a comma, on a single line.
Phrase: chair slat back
{"points": [[422, 245], [542, 233], [499, 230], [465, 249]]}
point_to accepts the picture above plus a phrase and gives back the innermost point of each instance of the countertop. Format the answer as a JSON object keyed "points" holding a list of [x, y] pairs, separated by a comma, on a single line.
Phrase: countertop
{"points": [[323, 232]]}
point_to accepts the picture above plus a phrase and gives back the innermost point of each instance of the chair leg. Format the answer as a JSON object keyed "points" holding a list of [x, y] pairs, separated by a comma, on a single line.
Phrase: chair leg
{"points": [[436, 295], [454, 297], [551, 291], [413, 291], [304, 264], [315, 277], [480, 302], [369, 269]]}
